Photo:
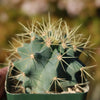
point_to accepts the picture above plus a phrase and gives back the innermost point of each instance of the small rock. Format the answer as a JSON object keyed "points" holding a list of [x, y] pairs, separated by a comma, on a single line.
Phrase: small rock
{"points": [[78, 90], [71, 91]]}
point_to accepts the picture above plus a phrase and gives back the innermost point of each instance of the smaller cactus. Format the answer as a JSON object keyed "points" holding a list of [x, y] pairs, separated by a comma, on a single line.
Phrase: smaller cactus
{"points": [[49, 62]]}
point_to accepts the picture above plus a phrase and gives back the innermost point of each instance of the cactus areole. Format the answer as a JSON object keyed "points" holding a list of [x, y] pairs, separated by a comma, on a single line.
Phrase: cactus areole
{"points": [[48, 66]]}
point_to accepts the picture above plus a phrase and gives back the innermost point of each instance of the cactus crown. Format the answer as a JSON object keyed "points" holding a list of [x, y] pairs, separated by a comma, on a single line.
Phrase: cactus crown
{"points": [[50, 61]]}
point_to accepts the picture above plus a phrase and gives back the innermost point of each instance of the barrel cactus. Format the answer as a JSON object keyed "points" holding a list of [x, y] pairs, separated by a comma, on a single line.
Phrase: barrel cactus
{"points": [[49, 62]]}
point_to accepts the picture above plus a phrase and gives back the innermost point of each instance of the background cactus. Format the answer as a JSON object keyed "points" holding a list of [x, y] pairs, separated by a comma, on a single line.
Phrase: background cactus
{"points": [[50, 61], [3, 72]]}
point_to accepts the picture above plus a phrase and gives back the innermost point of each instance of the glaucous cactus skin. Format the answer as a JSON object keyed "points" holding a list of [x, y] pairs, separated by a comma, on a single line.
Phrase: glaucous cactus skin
{"points": [[50, 62]]}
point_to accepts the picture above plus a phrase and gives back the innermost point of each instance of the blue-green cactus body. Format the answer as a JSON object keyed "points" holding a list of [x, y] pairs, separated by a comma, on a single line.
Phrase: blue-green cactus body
{"points": [[47, 65], [39, 66]]}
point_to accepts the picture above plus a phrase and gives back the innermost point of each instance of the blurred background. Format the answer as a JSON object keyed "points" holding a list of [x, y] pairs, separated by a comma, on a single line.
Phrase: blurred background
{"points": [[75, 12]]}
